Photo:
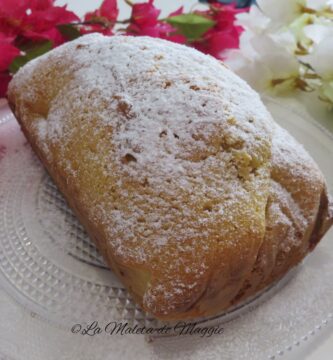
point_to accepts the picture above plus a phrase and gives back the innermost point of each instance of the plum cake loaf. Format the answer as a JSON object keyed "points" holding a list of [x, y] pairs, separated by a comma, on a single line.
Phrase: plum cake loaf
{"points": [[196, 198]]}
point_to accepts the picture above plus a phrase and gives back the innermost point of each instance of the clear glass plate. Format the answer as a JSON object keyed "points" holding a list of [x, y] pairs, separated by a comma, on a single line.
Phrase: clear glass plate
{"points": [[52, 277]]}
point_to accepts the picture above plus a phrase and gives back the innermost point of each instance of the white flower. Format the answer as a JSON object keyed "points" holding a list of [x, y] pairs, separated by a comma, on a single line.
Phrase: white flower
{"points": [[245, 44], [326, 91], [319, 31], [319, 4], [281, 11], [297, 28], [321, 58], [284, 38], [272, 68], [255, 20], [287, 44]]}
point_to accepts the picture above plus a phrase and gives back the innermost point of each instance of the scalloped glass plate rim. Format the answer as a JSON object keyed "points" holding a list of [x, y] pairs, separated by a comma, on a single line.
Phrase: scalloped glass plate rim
{"points": [[318, 134]]}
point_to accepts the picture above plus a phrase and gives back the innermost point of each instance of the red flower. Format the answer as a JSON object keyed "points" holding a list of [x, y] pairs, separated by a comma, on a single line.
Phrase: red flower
{"points": [[4, 81], [41, 4], [108, 10], [144, 22], [11, 16], [145, 14], [8, 52], [15, 9], [42, 24], [225, 16], [177, 12], [225, 34], [216, 42], [103, 19], [23, 22], [35, 19]]}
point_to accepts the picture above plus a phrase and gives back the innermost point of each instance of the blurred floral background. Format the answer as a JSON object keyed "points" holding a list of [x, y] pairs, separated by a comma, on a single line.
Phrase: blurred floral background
{"points": [[278, 46]]}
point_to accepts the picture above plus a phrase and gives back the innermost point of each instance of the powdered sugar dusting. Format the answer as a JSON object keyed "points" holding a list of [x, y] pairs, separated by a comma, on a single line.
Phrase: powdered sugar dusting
{"points": [[167, 150], [290, 157]]}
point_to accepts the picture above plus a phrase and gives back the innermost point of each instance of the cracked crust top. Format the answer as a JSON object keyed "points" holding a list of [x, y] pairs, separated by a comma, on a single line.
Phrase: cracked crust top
{"points": [[166, 157]]}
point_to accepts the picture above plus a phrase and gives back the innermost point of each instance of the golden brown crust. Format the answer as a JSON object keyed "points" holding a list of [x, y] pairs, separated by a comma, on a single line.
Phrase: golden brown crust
{"points": [[286, 243], [218, 213]]}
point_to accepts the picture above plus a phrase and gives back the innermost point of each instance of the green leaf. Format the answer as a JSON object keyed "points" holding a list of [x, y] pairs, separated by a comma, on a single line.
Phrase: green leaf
{"points": [[69, 31], [192, 26], [38, 49]]}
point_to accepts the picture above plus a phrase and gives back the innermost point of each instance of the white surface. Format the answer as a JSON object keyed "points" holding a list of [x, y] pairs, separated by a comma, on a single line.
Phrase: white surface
{"points": [[322, 348]]}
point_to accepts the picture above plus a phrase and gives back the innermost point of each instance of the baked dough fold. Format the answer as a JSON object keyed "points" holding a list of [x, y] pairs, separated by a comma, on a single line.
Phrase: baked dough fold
{"points": [[192, 193]]}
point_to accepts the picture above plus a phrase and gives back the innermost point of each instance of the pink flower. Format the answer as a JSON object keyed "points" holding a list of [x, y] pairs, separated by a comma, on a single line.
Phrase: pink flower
{"points": [[103, 19], [4, 81], [8, 52], [216, 42], [11, 16], [34, 20], [177, 12], [13, 9], [225, 34], [144, 22], [41, 4], [42, 24], [108, 10], [225, 16], [145, 14]]}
